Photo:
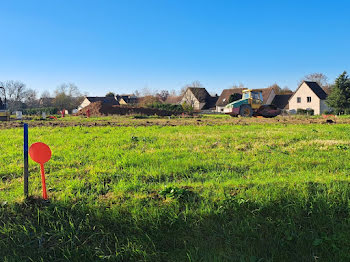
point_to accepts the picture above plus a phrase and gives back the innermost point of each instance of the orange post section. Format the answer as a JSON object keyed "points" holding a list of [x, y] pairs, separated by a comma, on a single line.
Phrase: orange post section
{"points": [[41, 153]]}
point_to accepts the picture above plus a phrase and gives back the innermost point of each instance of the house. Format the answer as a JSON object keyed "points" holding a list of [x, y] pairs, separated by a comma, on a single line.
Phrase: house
{"points": [[224, 98], [91, 99], [309, 95], [281, 101], [198, 98], [126, 99], [268, 95]]}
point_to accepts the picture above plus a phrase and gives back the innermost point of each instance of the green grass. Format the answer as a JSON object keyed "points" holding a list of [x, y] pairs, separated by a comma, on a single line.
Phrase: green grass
{"points": [[259, 192]]}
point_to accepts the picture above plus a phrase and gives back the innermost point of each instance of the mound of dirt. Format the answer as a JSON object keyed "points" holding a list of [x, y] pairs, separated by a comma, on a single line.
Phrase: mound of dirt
{"points": [[100, 109]]}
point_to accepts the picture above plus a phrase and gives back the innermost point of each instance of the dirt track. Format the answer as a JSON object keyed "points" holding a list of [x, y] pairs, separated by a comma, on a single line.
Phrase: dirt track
{"points": [[165, 121]]}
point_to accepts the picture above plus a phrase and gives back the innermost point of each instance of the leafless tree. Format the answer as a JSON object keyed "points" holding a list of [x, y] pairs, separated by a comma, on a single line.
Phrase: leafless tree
{"points": [[320, 78], [193, 84], [163, 95], [17, 95], [46, 99], [285, 90], [67, 96], [240, 85], [30, 98], [14, 90]]}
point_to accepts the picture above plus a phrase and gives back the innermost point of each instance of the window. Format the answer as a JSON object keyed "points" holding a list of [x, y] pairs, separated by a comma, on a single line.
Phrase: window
{"points": [[309, 99], [298, 99]]}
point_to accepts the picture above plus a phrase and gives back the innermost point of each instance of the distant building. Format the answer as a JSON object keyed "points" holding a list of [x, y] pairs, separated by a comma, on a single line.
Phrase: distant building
{"points": [[91, 99], [309, 95], [268, 95], [126, 99], [199, 98]]}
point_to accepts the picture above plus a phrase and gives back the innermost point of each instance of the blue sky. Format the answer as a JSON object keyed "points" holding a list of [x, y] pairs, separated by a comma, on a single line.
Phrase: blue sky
{"points": [[121, 46]]}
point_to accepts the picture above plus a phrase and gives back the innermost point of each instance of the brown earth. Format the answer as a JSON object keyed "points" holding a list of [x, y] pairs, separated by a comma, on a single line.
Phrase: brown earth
{"points": [[100, 109], [167, 121]]}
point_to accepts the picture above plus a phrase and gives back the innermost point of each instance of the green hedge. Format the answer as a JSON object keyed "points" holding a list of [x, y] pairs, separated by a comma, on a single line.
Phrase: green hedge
{"points": [[167, 107], [38, 111]]}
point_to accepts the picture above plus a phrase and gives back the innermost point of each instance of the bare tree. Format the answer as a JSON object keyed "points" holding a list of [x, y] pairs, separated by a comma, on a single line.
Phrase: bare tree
{"points": [[163, 95], [146, 92], [193, 84], [240, 85], [15, 90], [46, 99], [16, 94], [137, 93], [30, 98], [67, 96], [285, 91], [320, 78], [275, 87]]}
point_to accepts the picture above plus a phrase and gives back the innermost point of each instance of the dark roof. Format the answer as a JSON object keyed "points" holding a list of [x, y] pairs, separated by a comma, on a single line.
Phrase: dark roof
{"points": [[103, 99], [315, 87], [281, 101], [129, 99], [224, 98], [211, 102], [200, 93]]}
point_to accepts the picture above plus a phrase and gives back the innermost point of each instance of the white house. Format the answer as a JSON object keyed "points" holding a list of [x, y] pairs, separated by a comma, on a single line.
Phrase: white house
{"points": [[198, 98], [309, 95]]}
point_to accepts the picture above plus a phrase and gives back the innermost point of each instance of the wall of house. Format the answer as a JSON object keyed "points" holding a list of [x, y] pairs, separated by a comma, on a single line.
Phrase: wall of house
{"points": [[190, 99], [122, 102], [220, 109], [85, 103], [303, 92], [271, 97]]}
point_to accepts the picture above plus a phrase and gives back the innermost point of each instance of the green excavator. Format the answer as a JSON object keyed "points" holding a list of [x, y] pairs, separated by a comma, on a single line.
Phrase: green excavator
{"points": [[252, 104]]}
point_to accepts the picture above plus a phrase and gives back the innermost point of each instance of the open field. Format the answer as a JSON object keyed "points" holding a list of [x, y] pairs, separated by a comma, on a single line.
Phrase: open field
{"points": [[218, 189], [198, 120]]}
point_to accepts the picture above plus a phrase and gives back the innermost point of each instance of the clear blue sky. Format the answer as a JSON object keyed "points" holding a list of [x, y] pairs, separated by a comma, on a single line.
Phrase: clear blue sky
{"points": [[126, 45]]}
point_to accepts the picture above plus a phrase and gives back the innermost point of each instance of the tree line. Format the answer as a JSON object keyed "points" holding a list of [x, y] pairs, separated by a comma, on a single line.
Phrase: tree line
{"points": [[19, 97], [68, 96]]}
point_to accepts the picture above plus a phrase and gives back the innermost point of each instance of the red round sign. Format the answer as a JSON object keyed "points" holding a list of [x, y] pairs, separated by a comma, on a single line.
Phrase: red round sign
{"points": [[40, 152]]}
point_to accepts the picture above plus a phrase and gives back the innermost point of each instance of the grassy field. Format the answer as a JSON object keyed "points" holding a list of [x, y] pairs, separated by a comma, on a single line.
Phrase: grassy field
{"points": [[225, 192]]}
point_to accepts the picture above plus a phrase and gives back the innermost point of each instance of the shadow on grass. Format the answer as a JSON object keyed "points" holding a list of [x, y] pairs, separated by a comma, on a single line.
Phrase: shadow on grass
{"points": [[287, 227]]}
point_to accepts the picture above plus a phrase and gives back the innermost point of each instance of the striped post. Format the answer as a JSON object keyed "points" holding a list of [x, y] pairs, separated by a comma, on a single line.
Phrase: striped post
{"points": [[25, 157]]}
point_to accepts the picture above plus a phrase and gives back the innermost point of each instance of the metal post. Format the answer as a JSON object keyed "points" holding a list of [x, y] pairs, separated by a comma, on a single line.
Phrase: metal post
{"points": [[25, 155]]}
